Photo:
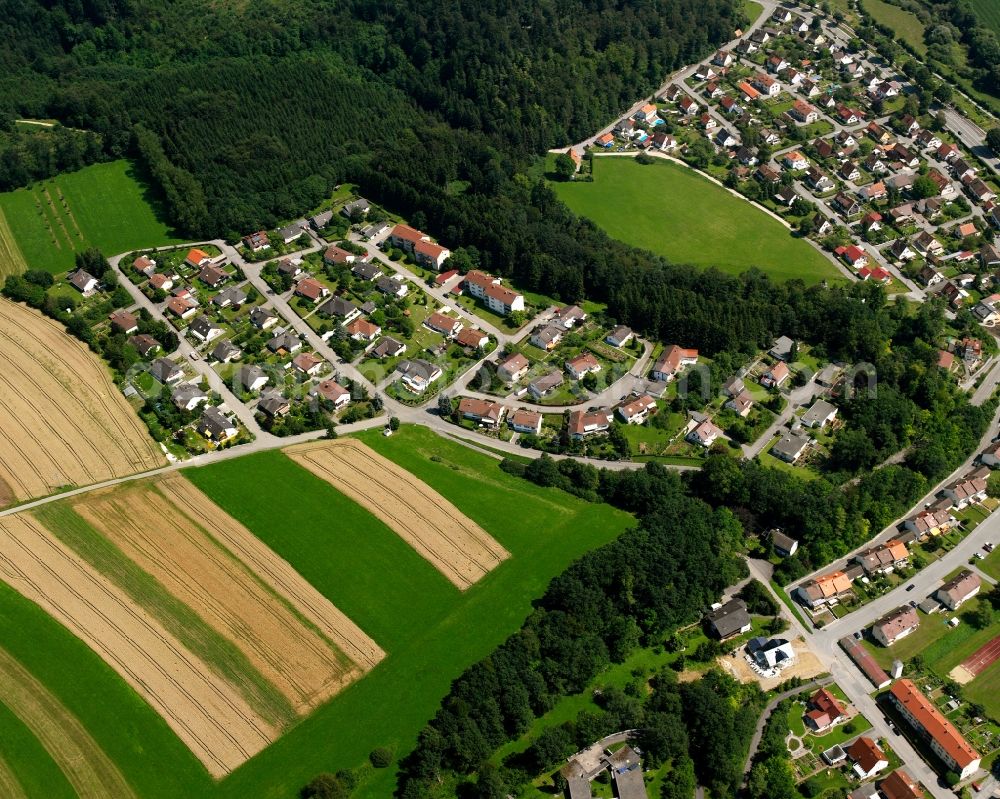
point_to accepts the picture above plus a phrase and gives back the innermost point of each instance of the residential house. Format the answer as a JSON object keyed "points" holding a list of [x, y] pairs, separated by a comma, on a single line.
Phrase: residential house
{"points": [[214, 424], [165, 371], [875, 165], [284, 342], [991, 455], [867, 757], [825, 589], [545, 385], [196, 258], [606, 140], [704, 433], [274, 404], [144, 344], [83, 281], [387, 348], [901, 250], [182, 307], [853, 255], [546, 337], [733, 387], [124, 322], [795, 161], [292, 232], [664, 141], [513, 368], [874, 273], [766, 175], [900, 785], [782, 348], [582, 365], [252, 377], [959, 590], [688, 106], [927, 245], [225, 351], [581, 424], [790, 447], [820, 414], [439, 322], [569, 316], [872, 192], [262, 319], [162, 282], [205, 330], [671, 361], [725, 139], [212, 275], [486, 413], [361, 329], [824, 711], [255, 242], [966, 491], [775, 376], [292, 267], [392, 286], [309, 288], [849, 171], [524, 421], [872, 222], [980, 191], [474, 339], [418, 375], [331, 391], [729, 620], [338, 255], [771, 654], [784, 545], [722, 58], [847, 205], [895, 625], [321, 220], [188, 396], [144, 265], [767, 85], [819, 181], [938, 732], [619, 336], [741, 404], [340, 309], [930, 522], [645, 114], [637, 409], [355, 208]]}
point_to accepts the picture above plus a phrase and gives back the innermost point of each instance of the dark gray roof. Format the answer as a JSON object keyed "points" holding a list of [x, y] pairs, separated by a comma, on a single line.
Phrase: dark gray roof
{"points": [[163, 369], [233, 295], [186, 392], [214, 423], [225, 349], [368, 271], [338, 306], [790, 446], [730, 618]]}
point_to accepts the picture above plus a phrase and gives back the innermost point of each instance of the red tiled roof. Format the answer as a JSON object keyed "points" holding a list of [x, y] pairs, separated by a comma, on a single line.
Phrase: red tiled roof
{"points": [[934, 723]]}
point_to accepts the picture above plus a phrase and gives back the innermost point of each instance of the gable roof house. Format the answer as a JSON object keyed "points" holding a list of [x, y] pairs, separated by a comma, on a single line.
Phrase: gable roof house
{"points": [[525, 421], [417, 375], [900, 785], [309, 288], [204, 329], [583, 364], [741, 404], [252, 377], [966, 491], [182, 307], [775, 376], [484, 412], [166, 371], [469, 337], [341, 309], [784, 545], [820, 414], [868, 757], [635, 411], [83, 281], [704, 433], [388, 347], [619, 336], [233, 295], [212, 275], [444, 324], [331, 391], [214, 424], [513, 368], [546, 337], [144, 344], [581, 424], [225, 351], [285, 342], [545, 385], [959, 590], [392, 286], [895, 625], [671, 361], [825, 710], [261, 318], [291, 232], [729, 620], [196, 257], [274, 404], [188, 396], [823, 590], [124, 322], [930, 522], [255, 242]]}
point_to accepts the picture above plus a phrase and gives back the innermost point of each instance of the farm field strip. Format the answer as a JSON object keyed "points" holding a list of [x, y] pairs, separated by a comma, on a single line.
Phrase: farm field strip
{"points": [[205, 712], [64, 422], [11, 260], [455, 545], [9, 786], [277, 573], [88, 769], [292, 655]]}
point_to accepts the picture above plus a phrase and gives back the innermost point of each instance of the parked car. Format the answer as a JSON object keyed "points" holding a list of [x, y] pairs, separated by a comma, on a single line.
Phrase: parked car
{"points": [[909, 587]]}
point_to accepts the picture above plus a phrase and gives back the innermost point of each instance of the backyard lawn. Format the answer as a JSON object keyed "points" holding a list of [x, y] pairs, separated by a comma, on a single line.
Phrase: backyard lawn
{"points": [[675, 212]]}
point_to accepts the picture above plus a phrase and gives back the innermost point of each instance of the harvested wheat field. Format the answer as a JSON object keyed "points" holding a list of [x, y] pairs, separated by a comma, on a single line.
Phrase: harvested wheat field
{"points": [[291, 635], [63, 422], [87, 768], [206, 712], [454, 544]]}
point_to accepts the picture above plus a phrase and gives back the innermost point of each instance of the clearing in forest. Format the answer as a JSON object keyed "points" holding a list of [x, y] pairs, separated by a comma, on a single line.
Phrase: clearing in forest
{"points": [[63, 422], [454, 544]]}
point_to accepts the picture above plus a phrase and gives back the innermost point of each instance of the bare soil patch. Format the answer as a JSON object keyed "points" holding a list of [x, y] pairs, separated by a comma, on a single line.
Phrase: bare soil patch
{"points": [[455, 545], [87, 768], [290, 633], [63, 422], [806, 665], [205, 711]]}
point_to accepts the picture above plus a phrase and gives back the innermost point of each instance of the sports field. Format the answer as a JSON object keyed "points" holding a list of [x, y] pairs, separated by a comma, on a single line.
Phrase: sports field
{"points": [[428, 628], [905, 23], [104, 206], [675, 212]]}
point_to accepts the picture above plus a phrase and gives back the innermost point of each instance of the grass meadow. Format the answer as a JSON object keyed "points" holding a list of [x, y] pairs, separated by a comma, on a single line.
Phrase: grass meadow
{"points": [[28, 761], [673, 211], [988, 12], [905, 23], [105, 206]]}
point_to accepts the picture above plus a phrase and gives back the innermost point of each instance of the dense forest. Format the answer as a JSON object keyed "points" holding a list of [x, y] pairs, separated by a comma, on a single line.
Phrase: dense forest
{"points": [[635, 591]]}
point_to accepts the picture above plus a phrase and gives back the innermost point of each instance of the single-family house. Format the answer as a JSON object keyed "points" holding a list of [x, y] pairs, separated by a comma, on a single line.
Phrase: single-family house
{"points": [[214, 424], [388, 347], [583, 364], [545, 385], [439, 322], [285, 342], [581, 424], [741, 404], [361, 329], [486, 413], [124, 322], [513, 368], [795, 161], [472, 338], [619, 336], [188, 396], [166, 371], [83, 281], [823, 590], [824, 711], [213, 275], [820, 414], [704, 433], [392, 286], [867, 757], [671, 361], [274, 404], [790, 447], [144, 344], [255, 242], [775, 376], [547, 337], [729, 620], [356, 208], [784, 545], [225, 351], [636, 409], [525, 421], [204, 329], [418, 375]]}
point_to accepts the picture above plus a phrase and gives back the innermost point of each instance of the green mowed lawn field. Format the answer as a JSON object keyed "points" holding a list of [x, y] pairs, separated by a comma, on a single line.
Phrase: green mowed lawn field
{"points": [[905, 23], [105, 206], [28, 761], [671, 210], [430, 630], [988, 12]]}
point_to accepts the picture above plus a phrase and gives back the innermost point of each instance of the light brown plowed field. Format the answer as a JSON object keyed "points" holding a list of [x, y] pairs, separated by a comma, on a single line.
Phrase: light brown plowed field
{"points": [[454, 544], [292, 636], [205, 711], [87, 768], [62, 419]]}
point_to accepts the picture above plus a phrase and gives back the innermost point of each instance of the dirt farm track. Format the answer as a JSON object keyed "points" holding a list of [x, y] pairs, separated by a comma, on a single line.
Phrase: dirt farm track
{"points": [[454, 544], [63, 422]]}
